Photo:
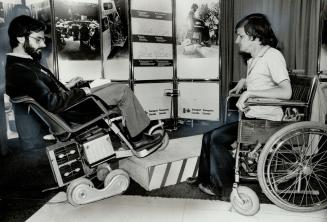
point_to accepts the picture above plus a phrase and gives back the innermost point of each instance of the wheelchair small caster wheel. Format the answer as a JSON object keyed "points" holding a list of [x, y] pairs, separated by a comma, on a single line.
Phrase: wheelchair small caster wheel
{"points": [[165, 139], [77, 191], [245, 201], [102, 171], [123, 179]]}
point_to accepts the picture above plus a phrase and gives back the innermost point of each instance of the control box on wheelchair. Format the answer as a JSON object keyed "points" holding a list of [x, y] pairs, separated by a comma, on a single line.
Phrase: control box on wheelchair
{"points": [[87, 150], [288, 157]]}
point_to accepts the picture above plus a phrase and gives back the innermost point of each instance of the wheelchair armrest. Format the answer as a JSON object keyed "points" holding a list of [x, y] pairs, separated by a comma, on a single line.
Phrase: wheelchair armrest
{"points": [[89, 98], [56, 123], [230, 97], [22, 99], [274, 102], [234, 95]]}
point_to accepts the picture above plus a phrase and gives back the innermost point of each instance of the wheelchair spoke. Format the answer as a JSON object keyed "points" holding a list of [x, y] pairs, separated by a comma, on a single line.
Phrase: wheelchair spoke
{"points": [[320, 176], [322, 158], [293, 147], [320, 182], [285, 157], [310, 188], [322, 166], [319, 148]]}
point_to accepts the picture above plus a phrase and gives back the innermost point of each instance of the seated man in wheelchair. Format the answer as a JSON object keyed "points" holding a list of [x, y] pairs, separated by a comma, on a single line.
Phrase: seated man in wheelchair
{"points": [[25, 76], [267, 77]]}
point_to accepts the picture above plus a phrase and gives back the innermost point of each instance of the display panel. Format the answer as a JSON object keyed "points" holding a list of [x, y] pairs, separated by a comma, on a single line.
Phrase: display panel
{"points": [[115, 39], [78, 38], [153, 99], [152, 41], [197, 38], [199, 100]]}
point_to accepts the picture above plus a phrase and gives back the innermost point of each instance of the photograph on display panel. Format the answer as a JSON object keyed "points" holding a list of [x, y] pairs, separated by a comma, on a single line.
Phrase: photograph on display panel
{"points": [[115, 38], [152, 41], [40, 9], [77, 29], [197, 38]]}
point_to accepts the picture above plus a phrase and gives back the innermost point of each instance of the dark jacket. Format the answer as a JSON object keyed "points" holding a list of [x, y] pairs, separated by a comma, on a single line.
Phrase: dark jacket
{"points": [[27, 77]]}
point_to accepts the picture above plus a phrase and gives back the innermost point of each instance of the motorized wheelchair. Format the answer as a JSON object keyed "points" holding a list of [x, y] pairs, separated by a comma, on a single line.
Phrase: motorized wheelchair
{"points": [[87, 151], [288, 157]]}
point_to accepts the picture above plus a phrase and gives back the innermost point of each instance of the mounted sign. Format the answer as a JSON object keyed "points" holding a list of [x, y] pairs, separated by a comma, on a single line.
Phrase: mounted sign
{"points": [[198, 100], [153, 99]]}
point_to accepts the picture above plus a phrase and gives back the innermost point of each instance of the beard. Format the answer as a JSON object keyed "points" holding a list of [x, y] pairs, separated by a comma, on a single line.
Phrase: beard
{"points": [[36, 54]]}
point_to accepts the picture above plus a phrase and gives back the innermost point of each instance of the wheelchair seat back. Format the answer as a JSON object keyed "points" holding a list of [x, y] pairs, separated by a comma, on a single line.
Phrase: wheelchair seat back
{"points": [[303, 90], [56, 124]]}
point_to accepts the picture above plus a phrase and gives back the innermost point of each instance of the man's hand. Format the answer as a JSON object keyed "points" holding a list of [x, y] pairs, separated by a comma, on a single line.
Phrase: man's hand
{"points": [[87, 90], [73, 82], [240, 85], [241, 101]]}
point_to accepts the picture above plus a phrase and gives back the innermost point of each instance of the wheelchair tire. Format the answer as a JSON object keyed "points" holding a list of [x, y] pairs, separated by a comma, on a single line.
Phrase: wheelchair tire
{"points": [[118, 172], [71, 193], [292, 167], [250, 201]]}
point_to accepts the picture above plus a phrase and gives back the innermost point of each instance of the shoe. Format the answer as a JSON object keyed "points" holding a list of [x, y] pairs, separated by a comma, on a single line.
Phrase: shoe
{"points": [[192, 181], [148, 141], [208, 189]]}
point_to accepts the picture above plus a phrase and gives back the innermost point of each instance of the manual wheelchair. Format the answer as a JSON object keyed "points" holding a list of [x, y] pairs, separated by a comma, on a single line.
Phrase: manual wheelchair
{"points": [[87, 151], [288, 157]]}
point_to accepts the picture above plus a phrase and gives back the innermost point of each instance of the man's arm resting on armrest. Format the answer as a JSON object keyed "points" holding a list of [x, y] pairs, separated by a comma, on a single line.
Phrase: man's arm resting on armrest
{"points": [[283, 91]]}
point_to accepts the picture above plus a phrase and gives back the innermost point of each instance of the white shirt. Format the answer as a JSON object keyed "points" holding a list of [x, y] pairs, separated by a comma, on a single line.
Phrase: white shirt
{"points": [[266, 71]]}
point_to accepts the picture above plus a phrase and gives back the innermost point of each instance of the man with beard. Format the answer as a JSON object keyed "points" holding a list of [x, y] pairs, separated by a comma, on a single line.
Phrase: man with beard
{"points": [[26, 76]]}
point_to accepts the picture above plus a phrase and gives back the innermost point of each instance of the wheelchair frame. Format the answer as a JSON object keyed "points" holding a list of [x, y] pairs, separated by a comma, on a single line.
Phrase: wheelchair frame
{"points": [[298, 146], [84, 150]]}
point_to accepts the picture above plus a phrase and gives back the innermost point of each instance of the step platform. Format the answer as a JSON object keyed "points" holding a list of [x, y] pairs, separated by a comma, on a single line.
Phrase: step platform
{"points": [[170, 166]]}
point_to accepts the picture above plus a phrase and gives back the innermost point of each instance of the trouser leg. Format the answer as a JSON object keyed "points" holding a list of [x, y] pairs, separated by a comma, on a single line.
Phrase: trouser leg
{"points": [[204, 164], [221, 160], [122, 96], [216, 163]]}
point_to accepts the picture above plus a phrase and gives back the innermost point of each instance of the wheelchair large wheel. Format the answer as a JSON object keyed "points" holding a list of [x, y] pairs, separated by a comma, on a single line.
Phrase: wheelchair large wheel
{"points": [[247, 203], [292, 167]]}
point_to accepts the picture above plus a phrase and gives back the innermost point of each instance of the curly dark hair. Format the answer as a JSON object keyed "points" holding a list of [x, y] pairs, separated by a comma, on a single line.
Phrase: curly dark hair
{"points": [[258, 26], [22, 26]]}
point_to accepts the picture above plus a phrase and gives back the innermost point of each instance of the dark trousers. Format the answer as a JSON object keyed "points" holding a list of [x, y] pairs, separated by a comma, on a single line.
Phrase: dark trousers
{"points": [[29, 127], [216, 165]]}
